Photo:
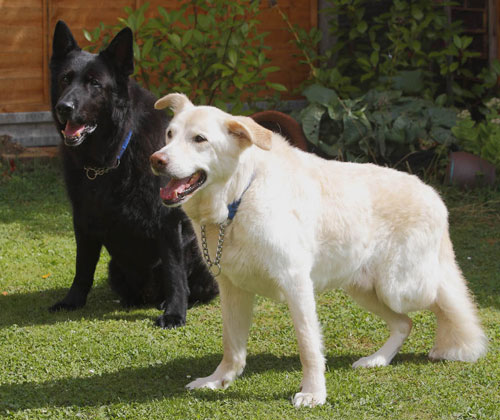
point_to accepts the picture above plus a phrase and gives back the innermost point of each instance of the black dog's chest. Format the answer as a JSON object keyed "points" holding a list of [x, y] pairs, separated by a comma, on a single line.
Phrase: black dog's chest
{"points": [[104, 206], [118, 221]]}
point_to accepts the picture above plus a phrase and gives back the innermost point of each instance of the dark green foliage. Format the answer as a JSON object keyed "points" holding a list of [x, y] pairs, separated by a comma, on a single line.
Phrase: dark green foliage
{"points": [[381, 127], [209, 50], [412, 47]]}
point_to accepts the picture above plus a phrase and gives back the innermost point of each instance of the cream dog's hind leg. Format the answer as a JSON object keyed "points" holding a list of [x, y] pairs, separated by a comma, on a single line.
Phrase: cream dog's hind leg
{"points": [[237, 309], [399, 326]]}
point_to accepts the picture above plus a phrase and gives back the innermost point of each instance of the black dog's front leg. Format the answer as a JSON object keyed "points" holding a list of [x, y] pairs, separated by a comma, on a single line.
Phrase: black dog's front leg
{"points": [[174, 280], [87, 255]]}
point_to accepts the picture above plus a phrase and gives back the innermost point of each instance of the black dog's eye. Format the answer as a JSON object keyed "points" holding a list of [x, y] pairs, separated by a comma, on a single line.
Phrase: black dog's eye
{"points": [[169, 134], [94, 82], [199, 139], [66, 79]]}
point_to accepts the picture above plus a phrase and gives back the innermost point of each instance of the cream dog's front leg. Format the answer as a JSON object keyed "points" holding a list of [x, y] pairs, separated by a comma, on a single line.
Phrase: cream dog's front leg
{"points": [[237, 309], [300, 298]]}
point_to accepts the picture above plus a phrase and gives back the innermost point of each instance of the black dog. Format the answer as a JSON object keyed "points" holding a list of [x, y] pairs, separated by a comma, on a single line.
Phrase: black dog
{"points": [[109, 129]]}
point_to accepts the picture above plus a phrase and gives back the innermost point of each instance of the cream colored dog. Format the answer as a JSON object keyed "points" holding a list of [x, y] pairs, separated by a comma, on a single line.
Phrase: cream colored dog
{"points": [[287, 224]]}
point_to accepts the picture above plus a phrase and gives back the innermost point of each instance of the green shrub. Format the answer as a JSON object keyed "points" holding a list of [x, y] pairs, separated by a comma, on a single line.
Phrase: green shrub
{"points": [[209, 50], [384, 127], [412, 47]]}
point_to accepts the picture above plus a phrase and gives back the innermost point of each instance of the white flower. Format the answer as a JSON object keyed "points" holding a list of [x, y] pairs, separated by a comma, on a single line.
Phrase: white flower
{"points": [[464, 114], [493, 103]]}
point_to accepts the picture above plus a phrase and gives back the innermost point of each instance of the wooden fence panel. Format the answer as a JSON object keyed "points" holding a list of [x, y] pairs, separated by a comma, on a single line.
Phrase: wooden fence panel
{"points": [[26, 29], [23, 55]]}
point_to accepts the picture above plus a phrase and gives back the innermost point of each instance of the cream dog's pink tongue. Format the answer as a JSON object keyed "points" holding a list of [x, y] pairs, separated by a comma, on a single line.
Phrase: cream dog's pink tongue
{"points": [[177, 186], [73, 130], [173, 188]]}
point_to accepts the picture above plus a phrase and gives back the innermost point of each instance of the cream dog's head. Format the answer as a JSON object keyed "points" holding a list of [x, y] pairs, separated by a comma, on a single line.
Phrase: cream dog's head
{"points": [[203, 145]]}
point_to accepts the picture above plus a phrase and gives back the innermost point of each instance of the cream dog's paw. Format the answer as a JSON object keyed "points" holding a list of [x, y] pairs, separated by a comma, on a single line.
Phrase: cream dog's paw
{"points": [[371, 361], [308, 399], [210, 382]]}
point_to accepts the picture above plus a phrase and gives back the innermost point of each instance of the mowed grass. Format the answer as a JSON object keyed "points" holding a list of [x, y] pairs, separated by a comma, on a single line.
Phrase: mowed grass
{"points": [[103, 362]]}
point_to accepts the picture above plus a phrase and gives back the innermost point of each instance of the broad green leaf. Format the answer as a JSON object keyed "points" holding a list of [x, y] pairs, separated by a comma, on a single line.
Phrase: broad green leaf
{"points": [[311, 118], [320, 94], [186, 37], [175, 40]]}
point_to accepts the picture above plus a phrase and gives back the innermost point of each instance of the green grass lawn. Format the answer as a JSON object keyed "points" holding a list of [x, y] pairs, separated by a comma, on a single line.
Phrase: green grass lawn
{"points": [[104, 362]]}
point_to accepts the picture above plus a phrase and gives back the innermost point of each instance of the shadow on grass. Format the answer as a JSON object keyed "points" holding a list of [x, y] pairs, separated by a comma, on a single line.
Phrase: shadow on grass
{"points": [[26, 309], [158, 382]]}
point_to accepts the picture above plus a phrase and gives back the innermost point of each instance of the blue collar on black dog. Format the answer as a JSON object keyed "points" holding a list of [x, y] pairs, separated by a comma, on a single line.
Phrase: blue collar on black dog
{"points": [[124, 145], [92, 173]]}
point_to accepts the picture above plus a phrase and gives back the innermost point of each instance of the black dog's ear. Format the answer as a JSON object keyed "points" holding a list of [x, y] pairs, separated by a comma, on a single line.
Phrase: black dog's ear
{"points": [[63, 41], [121, 51]]}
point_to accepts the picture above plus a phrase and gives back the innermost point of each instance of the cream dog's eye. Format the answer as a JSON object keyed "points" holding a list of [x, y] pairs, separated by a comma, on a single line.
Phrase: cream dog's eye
{"points": [[169, 134], [199, 139]]}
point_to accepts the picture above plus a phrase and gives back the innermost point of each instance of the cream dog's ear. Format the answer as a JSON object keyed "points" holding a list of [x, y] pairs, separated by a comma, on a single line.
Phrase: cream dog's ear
{"points": [[247, 129], [175, 101]]}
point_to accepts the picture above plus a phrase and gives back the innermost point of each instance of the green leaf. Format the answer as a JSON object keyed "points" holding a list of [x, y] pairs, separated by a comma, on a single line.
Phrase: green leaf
{"points": [[146, 48], [186, 37], [311, 118], [352, 130], [410, 82], [276, 86], [320, 94], [232, 56], [444, 117], [417, 13], [495, 65], [137, 52], [87, 35], [362, 27], [466, 41]]}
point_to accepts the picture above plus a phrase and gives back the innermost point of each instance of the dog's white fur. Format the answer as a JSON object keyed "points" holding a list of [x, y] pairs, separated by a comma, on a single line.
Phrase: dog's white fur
{"points": [[306, 225]]}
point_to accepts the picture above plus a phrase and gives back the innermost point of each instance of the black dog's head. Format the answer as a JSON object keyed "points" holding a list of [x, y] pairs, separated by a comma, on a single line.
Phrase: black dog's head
{"points": [[86, 88]]}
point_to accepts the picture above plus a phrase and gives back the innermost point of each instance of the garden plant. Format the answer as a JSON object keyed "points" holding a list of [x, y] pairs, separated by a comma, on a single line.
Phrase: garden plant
{"points": [[209, 50]]}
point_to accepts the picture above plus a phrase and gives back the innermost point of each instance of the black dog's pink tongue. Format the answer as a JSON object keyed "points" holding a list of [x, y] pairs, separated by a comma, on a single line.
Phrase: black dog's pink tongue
{"points": [[174, 188], [73, 130]]}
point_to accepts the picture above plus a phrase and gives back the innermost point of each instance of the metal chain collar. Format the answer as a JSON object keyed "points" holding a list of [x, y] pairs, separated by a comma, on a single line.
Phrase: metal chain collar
{"points": [[93, 173], [213, 266]]}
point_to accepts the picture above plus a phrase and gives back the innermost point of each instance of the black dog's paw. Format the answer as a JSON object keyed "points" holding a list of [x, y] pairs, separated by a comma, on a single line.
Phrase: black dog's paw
{"points": [[65, 306], [170, 321]]}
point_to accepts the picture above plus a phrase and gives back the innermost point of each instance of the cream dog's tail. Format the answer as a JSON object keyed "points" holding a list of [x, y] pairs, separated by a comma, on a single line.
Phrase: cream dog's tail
{"points": [[459, 334]]}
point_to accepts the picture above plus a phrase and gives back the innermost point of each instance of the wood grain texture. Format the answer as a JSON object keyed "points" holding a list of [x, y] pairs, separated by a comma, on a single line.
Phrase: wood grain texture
{"points": [[26, 29]]}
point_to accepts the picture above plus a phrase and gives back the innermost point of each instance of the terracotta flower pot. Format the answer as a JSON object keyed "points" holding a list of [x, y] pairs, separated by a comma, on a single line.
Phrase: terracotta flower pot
{"points": [[467, 170], [282, 123]]}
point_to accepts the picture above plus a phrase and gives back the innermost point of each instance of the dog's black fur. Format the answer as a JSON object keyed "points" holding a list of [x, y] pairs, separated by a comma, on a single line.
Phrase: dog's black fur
{"points": [[154, 256]]}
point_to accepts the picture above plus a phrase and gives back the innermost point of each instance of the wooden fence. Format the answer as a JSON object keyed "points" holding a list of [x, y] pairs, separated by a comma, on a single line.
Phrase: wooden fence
{"points": [[26, 28]]}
